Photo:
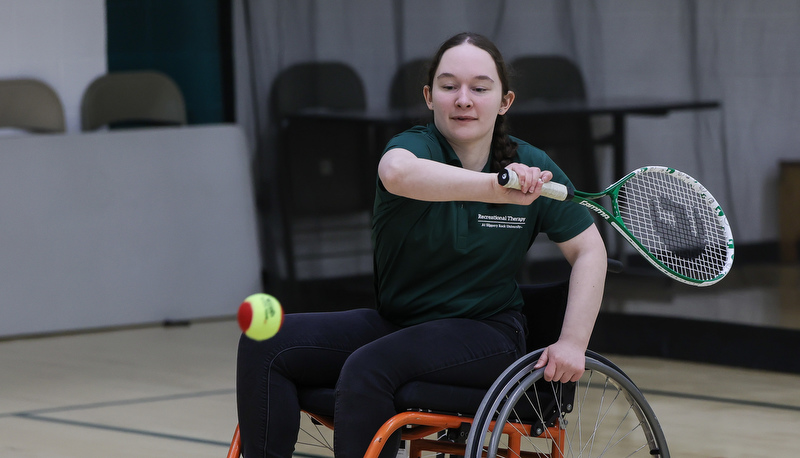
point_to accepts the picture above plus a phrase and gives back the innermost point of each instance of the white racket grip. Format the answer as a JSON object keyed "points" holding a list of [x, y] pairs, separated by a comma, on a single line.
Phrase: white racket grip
{"points": [[556, 191]]}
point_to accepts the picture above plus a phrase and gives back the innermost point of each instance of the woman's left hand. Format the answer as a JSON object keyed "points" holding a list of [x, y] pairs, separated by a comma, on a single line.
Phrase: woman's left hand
{"points": [[563, 362]]}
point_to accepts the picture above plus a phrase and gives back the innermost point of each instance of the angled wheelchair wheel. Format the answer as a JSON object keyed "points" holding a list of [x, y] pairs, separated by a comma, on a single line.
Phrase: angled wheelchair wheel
{"points": [[602, 415]]}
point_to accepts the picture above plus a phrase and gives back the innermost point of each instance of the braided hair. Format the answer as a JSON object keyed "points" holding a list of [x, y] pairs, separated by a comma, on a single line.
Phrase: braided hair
{"points": [[504, 150]]}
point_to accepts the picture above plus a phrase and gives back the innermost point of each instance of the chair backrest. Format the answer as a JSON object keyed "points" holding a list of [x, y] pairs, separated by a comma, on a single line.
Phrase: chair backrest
{"points": [[407, 83], [545, 305], [548, 78], [332, 85], [136, 97], [329, 153], [31, 105]]}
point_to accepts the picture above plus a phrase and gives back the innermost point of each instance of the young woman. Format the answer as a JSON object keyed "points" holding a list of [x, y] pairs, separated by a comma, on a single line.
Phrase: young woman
{"points": [[448, 242]]}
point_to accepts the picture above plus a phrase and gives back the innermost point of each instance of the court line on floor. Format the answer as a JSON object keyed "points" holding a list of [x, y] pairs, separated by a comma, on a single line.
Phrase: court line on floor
{"points": [[141, 432], [120, 429], [41, 414], [123, 402], [702, 397], [199, 394]]}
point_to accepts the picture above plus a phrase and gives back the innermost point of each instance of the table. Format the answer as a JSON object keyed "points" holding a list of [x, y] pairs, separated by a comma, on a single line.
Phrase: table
{"points": [[378, 120], [789, 203], [618, 108]]}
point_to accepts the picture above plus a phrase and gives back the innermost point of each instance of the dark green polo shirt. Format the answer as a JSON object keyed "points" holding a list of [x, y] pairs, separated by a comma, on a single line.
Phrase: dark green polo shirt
{"points": [[459, 259]]}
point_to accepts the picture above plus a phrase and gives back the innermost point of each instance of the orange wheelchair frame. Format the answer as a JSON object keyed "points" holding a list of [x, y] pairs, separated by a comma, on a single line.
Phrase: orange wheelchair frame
{"points": [[418, 426]]}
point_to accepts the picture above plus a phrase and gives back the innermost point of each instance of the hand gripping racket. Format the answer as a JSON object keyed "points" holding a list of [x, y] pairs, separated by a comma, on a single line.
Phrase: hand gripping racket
{"points": [[669, 217]]}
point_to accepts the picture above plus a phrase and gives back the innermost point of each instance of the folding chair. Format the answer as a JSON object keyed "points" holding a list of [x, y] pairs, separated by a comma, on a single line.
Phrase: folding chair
{"points": [[31, 105], [139, 97]]}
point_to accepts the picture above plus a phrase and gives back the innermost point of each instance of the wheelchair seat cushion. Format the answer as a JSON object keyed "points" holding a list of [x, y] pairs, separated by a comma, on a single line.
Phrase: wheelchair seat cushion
{"points": [[422, 396], [317, 400], [434, 397], [429, 397]]}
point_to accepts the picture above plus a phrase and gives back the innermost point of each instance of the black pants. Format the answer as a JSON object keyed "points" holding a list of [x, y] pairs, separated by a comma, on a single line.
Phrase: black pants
{"points": [[366, 358]]}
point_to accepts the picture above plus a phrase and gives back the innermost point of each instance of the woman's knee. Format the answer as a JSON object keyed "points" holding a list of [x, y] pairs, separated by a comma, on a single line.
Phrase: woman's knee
{"points": [[368, 372]]}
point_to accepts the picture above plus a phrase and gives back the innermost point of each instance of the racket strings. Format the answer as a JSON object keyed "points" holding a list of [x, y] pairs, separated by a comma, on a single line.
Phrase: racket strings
{"points": [[675, 223]]}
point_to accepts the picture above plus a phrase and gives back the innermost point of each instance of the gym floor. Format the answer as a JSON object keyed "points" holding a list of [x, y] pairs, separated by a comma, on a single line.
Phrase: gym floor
{"points": [[170, 391]]}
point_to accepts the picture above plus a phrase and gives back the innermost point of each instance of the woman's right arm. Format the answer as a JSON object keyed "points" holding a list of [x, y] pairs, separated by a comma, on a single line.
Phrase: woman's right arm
{"points": [[404, 174]]}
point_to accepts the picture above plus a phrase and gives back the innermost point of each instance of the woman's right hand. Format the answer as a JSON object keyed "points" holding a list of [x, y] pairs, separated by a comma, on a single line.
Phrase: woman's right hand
{"points": [[531, 180]]}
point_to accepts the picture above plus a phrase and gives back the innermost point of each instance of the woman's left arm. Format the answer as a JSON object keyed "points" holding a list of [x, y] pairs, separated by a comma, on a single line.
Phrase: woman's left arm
{"points": [[565, 359]]}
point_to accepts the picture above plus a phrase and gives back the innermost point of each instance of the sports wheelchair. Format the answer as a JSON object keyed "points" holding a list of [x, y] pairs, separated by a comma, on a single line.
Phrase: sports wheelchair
{"points": [[520, 415]]}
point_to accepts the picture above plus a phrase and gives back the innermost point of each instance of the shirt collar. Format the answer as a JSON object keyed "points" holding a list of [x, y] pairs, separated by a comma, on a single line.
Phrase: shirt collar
{"points": [[449, 155]]}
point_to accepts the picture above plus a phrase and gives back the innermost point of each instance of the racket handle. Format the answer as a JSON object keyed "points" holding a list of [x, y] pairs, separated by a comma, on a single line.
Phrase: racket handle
{"points": [[556, 191]]}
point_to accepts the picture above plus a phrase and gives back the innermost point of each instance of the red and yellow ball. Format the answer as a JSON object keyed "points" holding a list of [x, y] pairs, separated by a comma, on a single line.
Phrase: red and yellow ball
{"points": [[260, 316]]}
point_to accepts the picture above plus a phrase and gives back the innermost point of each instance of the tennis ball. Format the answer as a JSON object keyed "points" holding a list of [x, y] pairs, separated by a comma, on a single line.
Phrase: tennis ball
{"points": [[260, 316]]}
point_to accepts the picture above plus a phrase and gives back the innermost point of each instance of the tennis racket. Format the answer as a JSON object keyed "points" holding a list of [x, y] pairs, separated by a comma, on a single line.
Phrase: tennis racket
{"points": [[668, 216]]}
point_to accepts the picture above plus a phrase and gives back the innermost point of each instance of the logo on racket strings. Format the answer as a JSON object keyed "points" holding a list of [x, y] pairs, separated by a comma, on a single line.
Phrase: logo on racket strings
{"points": [[680, 228]]}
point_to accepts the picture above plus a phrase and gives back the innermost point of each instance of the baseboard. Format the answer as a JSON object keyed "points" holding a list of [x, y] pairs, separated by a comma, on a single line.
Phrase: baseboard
{"points": [[753, 347], [750, 253]]}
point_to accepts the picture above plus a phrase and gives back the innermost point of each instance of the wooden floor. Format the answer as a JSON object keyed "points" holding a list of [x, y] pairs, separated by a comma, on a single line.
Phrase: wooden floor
{"points": [[169, 392]]}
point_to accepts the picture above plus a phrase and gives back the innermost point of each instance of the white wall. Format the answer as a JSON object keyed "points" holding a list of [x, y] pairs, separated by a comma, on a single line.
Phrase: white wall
{"points": [[125, 227], [62, 42]]}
